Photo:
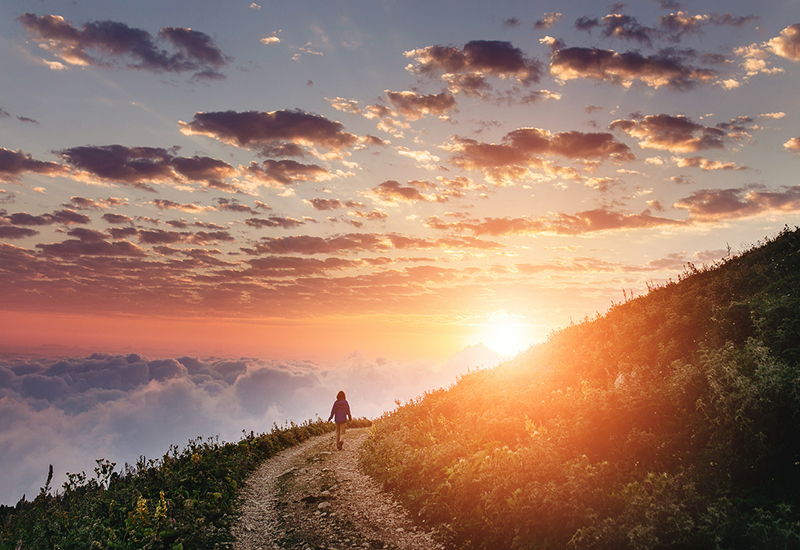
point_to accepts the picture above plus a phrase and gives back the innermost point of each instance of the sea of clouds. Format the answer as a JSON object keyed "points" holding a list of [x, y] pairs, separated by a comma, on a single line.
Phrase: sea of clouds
{"points": [[68, 412]]}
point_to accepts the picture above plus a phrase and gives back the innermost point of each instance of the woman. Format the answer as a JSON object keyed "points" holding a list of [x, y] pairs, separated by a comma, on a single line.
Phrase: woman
{"points": [[341, 410]]}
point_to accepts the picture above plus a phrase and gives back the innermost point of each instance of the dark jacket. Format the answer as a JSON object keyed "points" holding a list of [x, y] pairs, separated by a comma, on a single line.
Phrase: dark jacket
{"points": [[340, 409]]}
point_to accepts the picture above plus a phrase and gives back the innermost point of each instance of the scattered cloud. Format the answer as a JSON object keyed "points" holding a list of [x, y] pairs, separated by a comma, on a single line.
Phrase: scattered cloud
{"points": [[13, 164], [275, 133], [793, 145], [466, 69], [709, 205], [523, 149], [117, 43], [142, 166], [706, 164], [414, 106], [787, 45], [655, 71], [589, 221], [547, 20], [277, 173], [679, 134]]}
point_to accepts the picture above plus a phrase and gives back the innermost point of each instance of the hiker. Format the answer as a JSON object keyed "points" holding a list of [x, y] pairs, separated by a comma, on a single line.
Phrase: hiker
{"points": [[341, 410]]}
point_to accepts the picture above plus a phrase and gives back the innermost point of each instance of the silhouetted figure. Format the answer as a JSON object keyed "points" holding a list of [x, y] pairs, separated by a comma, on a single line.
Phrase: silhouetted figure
{"points": [[341, 412]]}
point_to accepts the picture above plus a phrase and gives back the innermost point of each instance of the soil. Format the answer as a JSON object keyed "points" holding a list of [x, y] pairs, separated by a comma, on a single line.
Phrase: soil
{"points": [[314, 496]]}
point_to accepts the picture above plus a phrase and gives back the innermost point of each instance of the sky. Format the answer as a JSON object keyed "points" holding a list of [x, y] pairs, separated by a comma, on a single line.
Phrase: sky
{"points": [[197, 195]]}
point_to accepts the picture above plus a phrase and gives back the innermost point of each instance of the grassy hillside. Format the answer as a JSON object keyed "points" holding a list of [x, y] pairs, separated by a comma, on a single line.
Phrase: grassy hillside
{"points": [[669, 422], [185, 500]]}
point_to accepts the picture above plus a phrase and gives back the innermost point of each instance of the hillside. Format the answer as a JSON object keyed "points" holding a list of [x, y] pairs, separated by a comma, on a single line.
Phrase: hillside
{"points": [[669, 422]]}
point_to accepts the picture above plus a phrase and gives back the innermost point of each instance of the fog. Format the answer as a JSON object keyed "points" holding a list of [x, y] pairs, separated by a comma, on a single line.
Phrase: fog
{"points": [[68, 412]]}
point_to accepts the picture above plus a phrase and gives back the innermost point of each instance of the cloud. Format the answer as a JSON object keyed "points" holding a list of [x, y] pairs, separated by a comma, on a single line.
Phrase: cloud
{"points": [[117, 43], [787, 45], [69, 412], [14, 164], [116, 218], [709, 205], [589, 221], [142, 166], [681, 23], [325, 204], [58, 217], [273, 221], [793, 145], [76, 247], [160, 236], [265, 131], [392, 192], [164, 204], [281, 173], [755, 60], [414, 106], [523, 149], [13, 232], [707, 164], [357, 243], [547, 21], [655, 71], [619, 26], [466, 69], [83, 203], [678, 134], [233, 205]]}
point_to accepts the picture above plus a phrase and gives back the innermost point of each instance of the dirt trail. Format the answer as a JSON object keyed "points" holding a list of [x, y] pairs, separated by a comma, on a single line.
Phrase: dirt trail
{"points": [[313, 496]]}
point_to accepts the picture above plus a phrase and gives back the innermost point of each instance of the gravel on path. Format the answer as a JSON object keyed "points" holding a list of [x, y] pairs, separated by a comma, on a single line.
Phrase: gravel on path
{"points": [[312, 496]]}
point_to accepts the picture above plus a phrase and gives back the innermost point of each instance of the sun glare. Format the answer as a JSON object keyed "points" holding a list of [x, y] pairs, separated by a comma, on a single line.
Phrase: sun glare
{"points": [[507, 338]]}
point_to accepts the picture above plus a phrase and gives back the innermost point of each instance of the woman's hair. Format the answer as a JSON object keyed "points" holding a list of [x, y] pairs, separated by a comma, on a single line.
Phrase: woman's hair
{"points": [[340, 396]]}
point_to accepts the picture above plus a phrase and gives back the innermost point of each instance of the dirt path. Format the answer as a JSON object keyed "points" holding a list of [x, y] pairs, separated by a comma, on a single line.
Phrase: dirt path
{"points": [[313, 496]]}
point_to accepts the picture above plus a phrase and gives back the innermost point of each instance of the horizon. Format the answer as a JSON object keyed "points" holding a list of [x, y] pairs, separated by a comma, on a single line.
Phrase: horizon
{"points": [[385, 191]]}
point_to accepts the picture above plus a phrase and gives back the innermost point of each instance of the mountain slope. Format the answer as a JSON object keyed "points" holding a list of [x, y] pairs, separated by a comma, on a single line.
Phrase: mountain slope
{"points": [[669, 422]]}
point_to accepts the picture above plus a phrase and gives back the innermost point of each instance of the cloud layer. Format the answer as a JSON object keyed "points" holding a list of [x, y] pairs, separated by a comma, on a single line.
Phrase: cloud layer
{"points": [[71, 411]]}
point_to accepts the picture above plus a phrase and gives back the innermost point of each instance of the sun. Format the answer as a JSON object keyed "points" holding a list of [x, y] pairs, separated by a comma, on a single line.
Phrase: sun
{"points": [[508, 338]]}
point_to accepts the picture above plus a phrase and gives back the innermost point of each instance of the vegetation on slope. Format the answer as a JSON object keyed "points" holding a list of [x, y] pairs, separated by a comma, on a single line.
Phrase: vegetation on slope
{"points": [[185, 500], [669, 422]]}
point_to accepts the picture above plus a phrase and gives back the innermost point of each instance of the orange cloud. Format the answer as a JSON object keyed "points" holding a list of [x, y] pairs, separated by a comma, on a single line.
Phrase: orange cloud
{"points": [[589, 221], [788, 43], [522, 149], [392, 192], [793, 145], [708, 205], [414, 106], [678, 134], [467, 68], [278, 173], [15, 163], [706, 164], [625, 68]]}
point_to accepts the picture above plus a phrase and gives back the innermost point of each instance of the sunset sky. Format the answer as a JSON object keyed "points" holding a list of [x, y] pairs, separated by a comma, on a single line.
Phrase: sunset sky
{"points": [[306, 181]]}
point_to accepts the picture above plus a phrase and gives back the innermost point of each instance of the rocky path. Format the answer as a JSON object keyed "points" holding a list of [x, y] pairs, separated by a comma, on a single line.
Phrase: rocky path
{"points": [[312, 496]]}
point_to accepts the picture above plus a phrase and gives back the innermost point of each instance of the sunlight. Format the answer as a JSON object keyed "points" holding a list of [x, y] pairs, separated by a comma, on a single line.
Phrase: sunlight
{"points": [[508, 338]]}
